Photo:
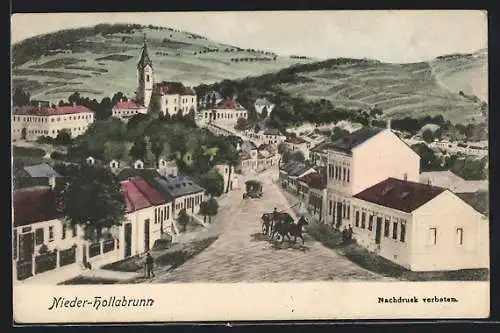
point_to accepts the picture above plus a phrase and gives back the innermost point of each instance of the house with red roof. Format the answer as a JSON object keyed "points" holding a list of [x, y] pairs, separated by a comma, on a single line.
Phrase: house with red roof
{"points": [[124, 110], [420, 226], [226, 112], [43, 240], [31, 122], [148, 218]]}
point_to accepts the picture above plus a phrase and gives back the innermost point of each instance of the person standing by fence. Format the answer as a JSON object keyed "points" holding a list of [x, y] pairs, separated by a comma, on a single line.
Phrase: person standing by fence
{"points": [[149, 265]]}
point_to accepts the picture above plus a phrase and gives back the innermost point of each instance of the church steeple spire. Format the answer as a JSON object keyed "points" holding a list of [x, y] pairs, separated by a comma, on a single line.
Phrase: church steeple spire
{"points": [[144, 60]]}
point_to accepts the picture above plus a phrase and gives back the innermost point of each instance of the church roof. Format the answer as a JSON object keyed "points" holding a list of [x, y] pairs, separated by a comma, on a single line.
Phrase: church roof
{"points": [[144, 58]]}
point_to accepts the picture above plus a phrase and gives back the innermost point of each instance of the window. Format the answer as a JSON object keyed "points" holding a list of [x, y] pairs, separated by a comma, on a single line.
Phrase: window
{"points": [[357, 218], [156, 215], [63, 236], [164, 213], [403, 232], [433, 236], [330, 207], [39, 236], [348, 212], [147, 78], [387, 226], [363, 218], [168, 212], [348, 175], [460, 236], [344, 176], [395, 230], [161, 215], [344, 210], [370, 222], [51, 233], [74, 230]]}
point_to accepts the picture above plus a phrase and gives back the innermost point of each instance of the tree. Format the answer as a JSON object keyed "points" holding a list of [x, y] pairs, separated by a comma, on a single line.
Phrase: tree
{"points": [[233, 160], [212, 182], [63, 137], [298, 156], [138, 150], [204, 210], [282, 148], [104, 205], [338, 133], [428, 136], [241, 124], [20, 97], [212, 208], [75, 98], [264, 114], [214, 101], [115, 150], [428, 160], [104, 109], [183, 219], [256, 128], [118, 97]]}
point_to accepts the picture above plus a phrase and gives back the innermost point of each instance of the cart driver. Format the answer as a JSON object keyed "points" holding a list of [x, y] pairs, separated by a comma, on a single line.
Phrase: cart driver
{"points": [[275, 215]]}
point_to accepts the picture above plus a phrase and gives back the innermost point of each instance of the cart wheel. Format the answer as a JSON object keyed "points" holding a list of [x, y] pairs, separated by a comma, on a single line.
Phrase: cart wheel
{"points": [[279, 237]]}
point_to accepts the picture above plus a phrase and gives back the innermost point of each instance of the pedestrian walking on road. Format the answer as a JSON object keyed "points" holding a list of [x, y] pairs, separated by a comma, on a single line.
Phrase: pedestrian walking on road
{"points": [[350, 232], [149, 265]]}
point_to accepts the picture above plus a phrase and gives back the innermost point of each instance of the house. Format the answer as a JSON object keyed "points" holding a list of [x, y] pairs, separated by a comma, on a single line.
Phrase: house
{"points": [[183, 192], [125, 110], [297, 144], [226, 112], [272, 136], [229, 176], [362, 159], [291, 172], [319, 153], [452, 182], [148, 217], [312, 189], [261, 104], [170, 97], [44, 241], [167, 168], [253, 158], [420, 227], [41, 174], [30, 123]]}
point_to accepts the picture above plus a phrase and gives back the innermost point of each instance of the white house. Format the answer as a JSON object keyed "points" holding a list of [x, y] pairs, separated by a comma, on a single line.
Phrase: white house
{"points": [[360, 160], [148, 217], [298, 144], [272, 136], [127, 109], [30, 122], [261, 104], [226, 112], [43, 240], [167, 168], [420, 227]]}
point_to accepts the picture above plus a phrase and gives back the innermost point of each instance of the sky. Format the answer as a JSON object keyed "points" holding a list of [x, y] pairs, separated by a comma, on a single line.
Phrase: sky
{"points": [[389, 35]]}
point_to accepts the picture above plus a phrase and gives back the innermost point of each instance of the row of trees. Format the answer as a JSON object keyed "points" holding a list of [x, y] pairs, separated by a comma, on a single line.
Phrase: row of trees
{"points": [[252, 59]]}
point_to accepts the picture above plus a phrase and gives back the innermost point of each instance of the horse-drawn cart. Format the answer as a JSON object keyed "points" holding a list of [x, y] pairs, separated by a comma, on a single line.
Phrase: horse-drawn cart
{"points": [[253, 189], [283, 226]]}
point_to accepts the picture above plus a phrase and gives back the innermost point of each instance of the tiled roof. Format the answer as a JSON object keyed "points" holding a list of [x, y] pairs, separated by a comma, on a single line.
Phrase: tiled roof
{"points": [[127, 173], [134, 198], [34, 204], [41, 171], [144, 57], [172, 88], [44, 111], [177, 186], [151, 193], [127, 105], [354, 139], [322, 147], [272, 131], [248, 145], [295, 140], [229, 104], [314, 180], [478, 200], [399, 194]]}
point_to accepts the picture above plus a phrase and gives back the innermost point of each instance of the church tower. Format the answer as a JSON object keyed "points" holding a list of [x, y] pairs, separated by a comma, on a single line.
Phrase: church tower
{"points": [[144, 77]]}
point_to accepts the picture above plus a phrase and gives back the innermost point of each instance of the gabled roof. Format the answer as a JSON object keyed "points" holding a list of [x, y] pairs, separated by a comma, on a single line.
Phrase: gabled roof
{"points": [[478, 200], [262, 101], [34, 204], [298, 170], [229, 104], [127, 173], [248, 145], [49, 111], [127, 105], [322, 147], [354, 139], [172, 88], [399, 194], [134, 199], [272, 131], [41, 171], [152, 194]]}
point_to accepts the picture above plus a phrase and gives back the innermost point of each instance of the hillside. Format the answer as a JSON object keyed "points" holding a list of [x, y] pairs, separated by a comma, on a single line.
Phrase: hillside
{"points": [[98, 61], [418, 89]]}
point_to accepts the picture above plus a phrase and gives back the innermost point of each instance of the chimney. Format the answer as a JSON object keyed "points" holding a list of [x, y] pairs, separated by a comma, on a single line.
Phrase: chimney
{"points": [[389, 124]]}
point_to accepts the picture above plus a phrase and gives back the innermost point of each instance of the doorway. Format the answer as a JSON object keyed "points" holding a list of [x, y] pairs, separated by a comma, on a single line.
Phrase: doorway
{"points": [[338, 212], [378, 230], [23, 133], [146, 235], [26, 246], [128, 240]]}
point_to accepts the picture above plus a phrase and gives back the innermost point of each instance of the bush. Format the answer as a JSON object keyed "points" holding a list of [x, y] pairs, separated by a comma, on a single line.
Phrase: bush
{"points": [[55, 155], [28, 152]]}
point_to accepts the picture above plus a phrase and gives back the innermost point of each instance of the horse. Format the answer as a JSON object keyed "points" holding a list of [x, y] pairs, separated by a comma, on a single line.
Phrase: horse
{"points": [[267, 223], [286, 228]]}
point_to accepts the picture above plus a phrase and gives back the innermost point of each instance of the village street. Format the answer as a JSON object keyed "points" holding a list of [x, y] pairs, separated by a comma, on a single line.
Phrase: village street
{"points": [[243, 254]]}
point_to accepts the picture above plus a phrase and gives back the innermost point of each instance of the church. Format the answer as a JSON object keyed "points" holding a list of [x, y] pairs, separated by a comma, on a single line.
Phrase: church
{"points": [[166, 96]]}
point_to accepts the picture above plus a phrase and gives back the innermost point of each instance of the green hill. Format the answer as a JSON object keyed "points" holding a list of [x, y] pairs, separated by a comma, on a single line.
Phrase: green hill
{"points": [[418, 89], [98, 61]]}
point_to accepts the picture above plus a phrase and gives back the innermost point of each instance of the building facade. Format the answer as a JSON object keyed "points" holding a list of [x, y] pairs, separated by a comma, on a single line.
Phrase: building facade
{"points": [[127, 109], [30, 123], [226, 112]]}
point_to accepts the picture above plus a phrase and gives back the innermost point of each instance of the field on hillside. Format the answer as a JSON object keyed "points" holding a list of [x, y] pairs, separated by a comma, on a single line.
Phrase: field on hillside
{"points": [[99, 65], [402, 89]]}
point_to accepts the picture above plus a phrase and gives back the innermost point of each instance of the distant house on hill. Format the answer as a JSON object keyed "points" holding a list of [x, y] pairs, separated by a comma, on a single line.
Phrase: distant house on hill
{"points": [[262, 103]]}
